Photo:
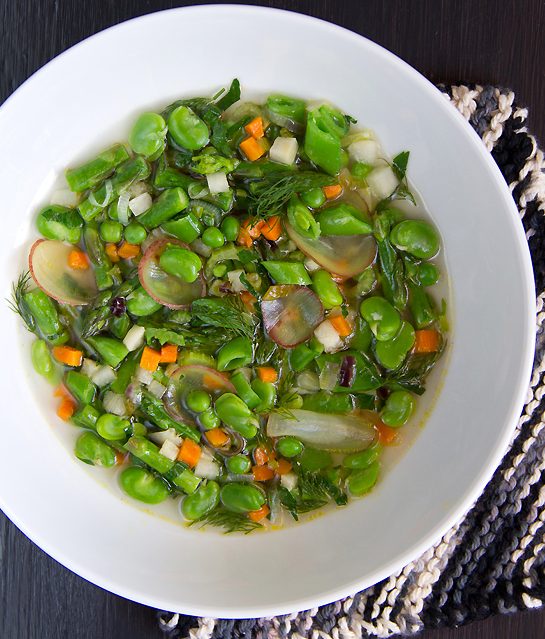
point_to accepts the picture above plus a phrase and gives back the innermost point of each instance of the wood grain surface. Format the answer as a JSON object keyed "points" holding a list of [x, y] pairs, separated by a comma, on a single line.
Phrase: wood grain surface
{"points": [[484, 41]]}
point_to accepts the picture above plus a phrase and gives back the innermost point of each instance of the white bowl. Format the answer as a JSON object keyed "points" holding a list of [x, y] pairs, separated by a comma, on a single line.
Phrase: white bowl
{"points": [[81, 101]]}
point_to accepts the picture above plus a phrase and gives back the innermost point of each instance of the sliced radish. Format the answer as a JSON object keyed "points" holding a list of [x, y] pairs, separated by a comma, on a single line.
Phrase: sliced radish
{"points": [[48, 264], [166, 289], [347, 255], [290, 314], [193, 377]]}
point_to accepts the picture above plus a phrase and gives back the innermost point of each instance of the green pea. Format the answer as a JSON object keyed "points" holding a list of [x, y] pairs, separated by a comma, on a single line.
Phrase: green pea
{"points": [[92, 450], [141, 304], [112, 427], [181, 263], [361, 170], [314, 198], [111, 231], [42, 361], [238, 464], [202, 501], [230, 227], [398, 408], [312, 459], [391, 354], [364, 458], [208, 419], [57, 222], [213, 237], [135, 233], [241, 498], [137, 429], [289, 446], [220, 270], [187, 129], [361, 481], [148, 135], [140, 484], [198, 401], [326, 289], [416, 237], [382, 317], [427, 274]]}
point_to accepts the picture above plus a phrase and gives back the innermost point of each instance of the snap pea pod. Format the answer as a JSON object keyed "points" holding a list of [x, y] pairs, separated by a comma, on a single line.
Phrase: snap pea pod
{"points": [[421, 306], [287, 272], [235, 354], [266, 391], [322, 146], [86, 417], [125, 373], [111, 350], [325, 402], [302, 220], [97, 254], [166, 206], [343, 219], [186, 228], [44, 311], [81, 387], [157, 414], [301, 356], [91, 173], [245, 390], [130, 171]]}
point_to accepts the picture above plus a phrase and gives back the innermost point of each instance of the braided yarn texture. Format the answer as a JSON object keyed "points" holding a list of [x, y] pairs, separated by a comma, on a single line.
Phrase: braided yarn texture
{"points": [[492, 561]]}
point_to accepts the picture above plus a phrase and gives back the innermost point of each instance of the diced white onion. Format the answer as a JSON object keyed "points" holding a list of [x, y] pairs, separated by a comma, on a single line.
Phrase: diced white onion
{"points": [[284, 150], [207, 467], [166, 435], [157, 389], [140, 204], [311, 265], [364, 151], [64, 197], [114, 403], [289, 481], [329, 376], [89, 367], [134, 393], [103, 376], [144, 376], [217, 182], [170, 369], [326, 334], [382, 182], [137, 189], [169, 450], [123, 208], [197, 190], [200, 247], [234, 278], [308, 381], [134, 338], [107, 196]]}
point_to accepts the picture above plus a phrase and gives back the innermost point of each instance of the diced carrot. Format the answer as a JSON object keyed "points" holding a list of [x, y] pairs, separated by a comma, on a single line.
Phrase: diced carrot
{"points": [[283, 467], [386, 435], [111, 252], [190, 453], [261, 456], [271, 228], [120, 458], [66, 408], [128, 251], [61, 391], [426, 341], [258, 515], [169, 353], [217, 437], [255, 128], [341, 325], [150, 359], [78, 260], [252, 149], [68, 355], [340, 279], [248, 300], [262, 473], [214, 382], [267, 373], [332, 191], [244, 238], [253, 227]]}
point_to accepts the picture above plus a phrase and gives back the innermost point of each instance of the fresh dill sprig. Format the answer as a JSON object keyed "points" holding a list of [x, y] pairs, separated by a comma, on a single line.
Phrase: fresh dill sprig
{"points": [[227, 313], [269, 194], [229, 521], [17, 302]]}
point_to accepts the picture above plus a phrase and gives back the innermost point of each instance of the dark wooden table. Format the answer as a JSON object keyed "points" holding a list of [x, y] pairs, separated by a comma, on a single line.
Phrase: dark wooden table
{"points": [[484, 41]]}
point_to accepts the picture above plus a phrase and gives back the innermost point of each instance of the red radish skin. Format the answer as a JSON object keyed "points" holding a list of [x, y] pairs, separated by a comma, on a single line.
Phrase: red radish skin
{"points": [[290, 314], [84, 278], [195, 290]]}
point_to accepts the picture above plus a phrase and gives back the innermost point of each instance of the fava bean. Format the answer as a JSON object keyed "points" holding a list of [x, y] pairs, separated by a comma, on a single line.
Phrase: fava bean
{"points": [[42, 361], [361, 481], [92, 450], [209, 420], [314, 198], [241, 498], [398, 408], [148, 134], [427, 274], [287, 272], [230, 227], [140, 304], [392, 353], [57, 222], [233, 411], [112, 427], [383, 319], [326, 289], [187, 129], [416, 237], [111, 350], [213, 237], [140, 484], [44, 312], [289, 446], [364, 458], [202, 501], [181, 263], [238, 464]]}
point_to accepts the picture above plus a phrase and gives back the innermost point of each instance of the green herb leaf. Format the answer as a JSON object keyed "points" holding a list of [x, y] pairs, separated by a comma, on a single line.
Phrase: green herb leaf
{"points": [[229, 521], [164, 335], [17, 302], [399, 164], [227, 312]]}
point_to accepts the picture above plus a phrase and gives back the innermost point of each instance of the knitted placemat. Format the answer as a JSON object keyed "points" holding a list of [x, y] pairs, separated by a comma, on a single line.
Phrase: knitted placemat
{"points": [[492, 561]]}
